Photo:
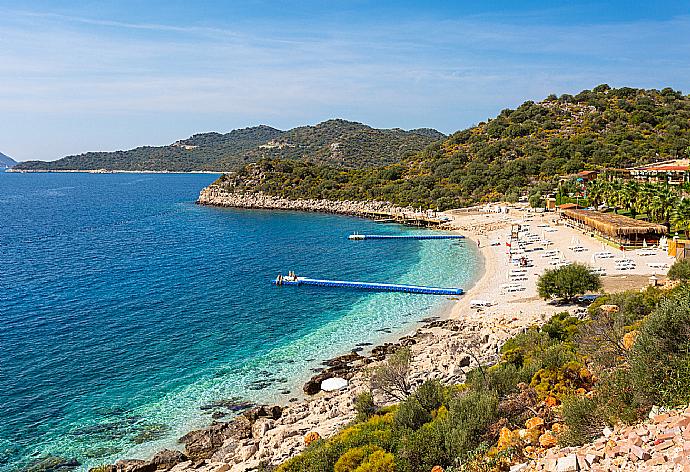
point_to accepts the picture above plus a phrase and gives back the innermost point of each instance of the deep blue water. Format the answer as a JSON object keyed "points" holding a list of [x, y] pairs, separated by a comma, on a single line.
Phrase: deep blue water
{"points": [[124, 307]]}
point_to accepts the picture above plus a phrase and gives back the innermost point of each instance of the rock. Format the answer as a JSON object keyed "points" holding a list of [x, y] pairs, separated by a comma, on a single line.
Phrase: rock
{"points": [[134, 465], [263, 411], [312, 386], [333, 384], [246, 452], [568, 464], [181, 466], [311, 437], [261, 426], [202, 443], [548, 439], [167, 458], [52, 463], [518, 467]]}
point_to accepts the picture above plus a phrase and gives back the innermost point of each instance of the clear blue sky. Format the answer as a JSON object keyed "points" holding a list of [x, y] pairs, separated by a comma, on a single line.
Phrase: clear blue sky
{"points": [[90, 75]]}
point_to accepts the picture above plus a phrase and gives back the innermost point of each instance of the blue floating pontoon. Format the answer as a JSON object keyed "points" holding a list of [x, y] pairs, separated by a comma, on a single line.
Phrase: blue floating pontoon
{"points": [[361, 237], [368, 286]]}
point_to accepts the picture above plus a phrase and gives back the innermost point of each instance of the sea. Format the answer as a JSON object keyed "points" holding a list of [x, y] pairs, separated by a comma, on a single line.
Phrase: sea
{"points": [[129, 315]]}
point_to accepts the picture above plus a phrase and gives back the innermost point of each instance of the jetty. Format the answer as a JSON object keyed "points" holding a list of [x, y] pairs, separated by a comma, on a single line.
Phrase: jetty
{"points": [[361, 237], [374, 286]]}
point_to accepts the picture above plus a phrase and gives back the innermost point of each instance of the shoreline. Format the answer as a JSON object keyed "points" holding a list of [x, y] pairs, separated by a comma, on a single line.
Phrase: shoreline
{"points": [[12, 170], [444, 347]]}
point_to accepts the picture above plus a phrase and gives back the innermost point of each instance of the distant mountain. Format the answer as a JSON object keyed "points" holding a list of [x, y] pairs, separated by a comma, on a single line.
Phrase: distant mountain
{"points": [[6, 162], [337, 143]]}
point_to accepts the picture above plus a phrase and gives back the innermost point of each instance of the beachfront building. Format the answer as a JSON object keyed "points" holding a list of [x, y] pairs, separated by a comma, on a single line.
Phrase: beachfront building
{"points": [[675, 172], [619, 229]]}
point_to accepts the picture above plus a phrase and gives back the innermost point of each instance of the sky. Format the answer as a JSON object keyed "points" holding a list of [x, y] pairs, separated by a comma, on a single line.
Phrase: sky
{"points": [[79, 76]]}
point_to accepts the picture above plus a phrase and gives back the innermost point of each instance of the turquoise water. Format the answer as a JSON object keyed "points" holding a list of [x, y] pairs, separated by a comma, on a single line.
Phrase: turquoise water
{"points": [[125, 308]]}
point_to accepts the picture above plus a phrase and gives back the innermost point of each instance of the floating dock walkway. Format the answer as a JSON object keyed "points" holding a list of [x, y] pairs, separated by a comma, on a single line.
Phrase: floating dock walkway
{"points": [[368, 286], [362, 237]]}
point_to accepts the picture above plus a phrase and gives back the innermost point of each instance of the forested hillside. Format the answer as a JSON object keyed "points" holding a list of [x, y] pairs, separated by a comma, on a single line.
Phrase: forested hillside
{"points": [[337, 143], [500, 158]]}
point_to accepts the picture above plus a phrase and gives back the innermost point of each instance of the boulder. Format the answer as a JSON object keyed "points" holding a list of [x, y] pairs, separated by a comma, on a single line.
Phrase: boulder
{"points": [[202, 443], [134, 465], [261, 426], [167, 458]]}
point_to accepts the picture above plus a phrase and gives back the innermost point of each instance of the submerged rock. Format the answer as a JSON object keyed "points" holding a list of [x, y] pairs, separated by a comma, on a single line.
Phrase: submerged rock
{"points": [[52, 464]]}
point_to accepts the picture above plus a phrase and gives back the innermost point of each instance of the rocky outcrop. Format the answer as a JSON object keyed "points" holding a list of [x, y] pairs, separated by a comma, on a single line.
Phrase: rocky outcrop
{"points": [[215, 195], [442, 349], [662, 443]]}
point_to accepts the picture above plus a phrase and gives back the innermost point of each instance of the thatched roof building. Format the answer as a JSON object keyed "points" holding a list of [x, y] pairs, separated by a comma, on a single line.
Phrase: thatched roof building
{"points": [[619, 228]]}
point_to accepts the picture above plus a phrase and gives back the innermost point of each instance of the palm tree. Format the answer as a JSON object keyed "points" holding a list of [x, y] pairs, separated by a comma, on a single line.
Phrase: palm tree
{"points": [[680, 217], [663, 201], [595, 192], [629, 197]]}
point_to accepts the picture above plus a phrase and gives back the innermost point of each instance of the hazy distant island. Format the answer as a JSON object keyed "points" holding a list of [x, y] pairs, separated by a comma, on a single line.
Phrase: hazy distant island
{"points": [[6, 162], [334, 142]]}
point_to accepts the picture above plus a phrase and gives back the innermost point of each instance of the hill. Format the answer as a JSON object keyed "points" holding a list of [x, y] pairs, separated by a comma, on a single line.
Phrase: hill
{"points": [[336, 143], [504, 156], [6, 161]]}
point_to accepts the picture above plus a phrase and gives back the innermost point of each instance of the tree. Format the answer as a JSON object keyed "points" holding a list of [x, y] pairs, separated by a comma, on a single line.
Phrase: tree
{"points": [[680, 270], [536, 201], [680, 216], [568, 281], [391, 377]]}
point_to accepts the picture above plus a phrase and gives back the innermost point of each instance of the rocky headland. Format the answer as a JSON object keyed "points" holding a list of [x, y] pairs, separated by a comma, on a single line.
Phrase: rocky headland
{"points": [[215, 195]]}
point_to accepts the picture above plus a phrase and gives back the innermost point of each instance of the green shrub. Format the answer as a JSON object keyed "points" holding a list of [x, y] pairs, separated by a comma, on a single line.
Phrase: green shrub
{"points": [[424, 448], [354, 458], [561, 381], [582, 420], [379, 461], [520, 349], [469, 415], [680, 270], [430, 395], [561, 326], [365, 406], [502, 378], [616, 397], [411, 414], [660, 357]]}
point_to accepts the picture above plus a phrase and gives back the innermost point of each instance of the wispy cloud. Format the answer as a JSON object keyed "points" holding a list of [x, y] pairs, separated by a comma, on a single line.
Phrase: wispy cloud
{"points": [[447, 74]]}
